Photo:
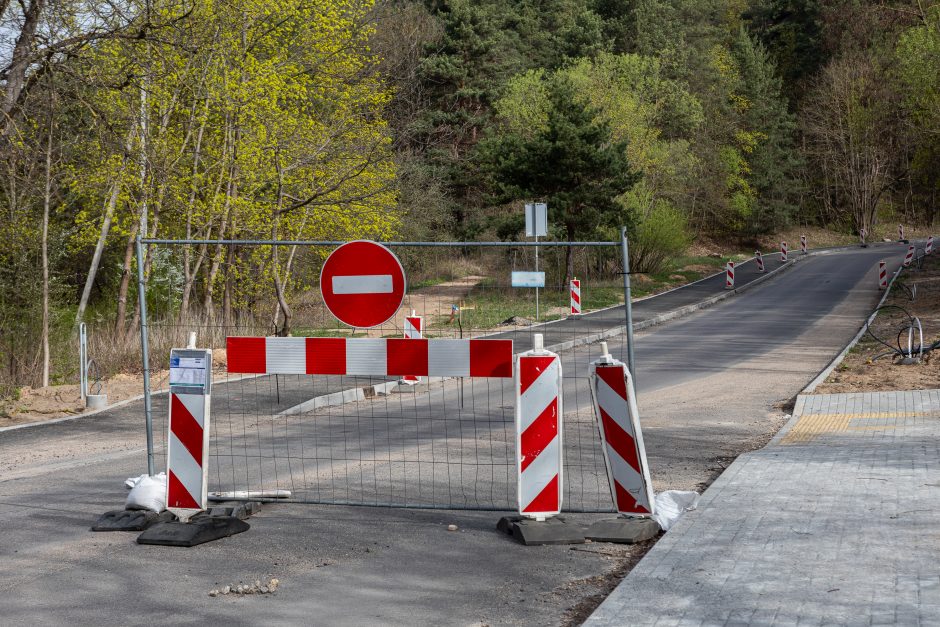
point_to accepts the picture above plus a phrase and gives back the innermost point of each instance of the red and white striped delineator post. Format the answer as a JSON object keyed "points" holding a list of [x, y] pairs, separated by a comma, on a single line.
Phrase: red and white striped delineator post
{"points": [[414, 330], [802, 244], [760, 260], [909, 256], [729, 275], [370, 356], [882, 275], [900, 231], [188, 434], [783, 251], [929, 248], [539, 432], [622, 440], [575, 297]]}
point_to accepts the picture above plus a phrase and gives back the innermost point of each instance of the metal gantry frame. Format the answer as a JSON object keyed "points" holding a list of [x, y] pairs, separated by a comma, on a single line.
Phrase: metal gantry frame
{"points": [[142, 290]]}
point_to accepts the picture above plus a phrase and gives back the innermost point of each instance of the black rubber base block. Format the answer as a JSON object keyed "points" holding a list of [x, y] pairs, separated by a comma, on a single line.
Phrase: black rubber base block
{"points": [[530, 532], [129, 520], [623, 530], [200, 530]]}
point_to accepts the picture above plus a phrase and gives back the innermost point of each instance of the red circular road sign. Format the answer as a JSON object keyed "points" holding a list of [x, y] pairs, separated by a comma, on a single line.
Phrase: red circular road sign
{"points": [[363, 284]]}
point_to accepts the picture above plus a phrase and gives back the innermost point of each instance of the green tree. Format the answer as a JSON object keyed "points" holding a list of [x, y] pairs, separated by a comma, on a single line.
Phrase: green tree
{"points": [[572, 163]]}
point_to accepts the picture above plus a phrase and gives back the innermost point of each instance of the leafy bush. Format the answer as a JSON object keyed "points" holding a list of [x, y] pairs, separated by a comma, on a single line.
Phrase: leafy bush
{"points": [[661, 232]]}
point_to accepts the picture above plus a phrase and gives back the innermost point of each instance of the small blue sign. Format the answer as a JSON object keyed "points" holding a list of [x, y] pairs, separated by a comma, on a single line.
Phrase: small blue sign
{"points": [[528, 279]]}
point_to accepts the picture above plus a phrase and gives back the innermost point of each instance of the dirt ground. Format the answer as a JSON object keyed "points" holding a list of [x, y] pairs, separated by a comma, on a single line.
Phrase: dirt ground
{"points": [[871, 365]]}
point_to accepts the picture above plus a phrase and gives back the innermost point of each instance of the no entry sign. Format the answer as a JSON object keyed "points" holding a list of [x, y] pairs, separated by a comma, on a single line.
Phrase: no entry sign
{"points": [[363, 284]]}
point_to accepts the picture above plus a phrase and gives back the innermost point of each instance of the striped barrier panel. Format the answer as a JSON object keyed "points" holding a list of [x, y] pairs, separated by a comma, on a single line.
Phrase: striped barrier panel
{"points": [[929, 247], [539, 432], [188, 433], [729, 275], [622, 440], [414, 330], [760, 260], [575, 296], [882, 275], [783, 251], [802, 244], [909, 257], [900, 231], [370, 356]]}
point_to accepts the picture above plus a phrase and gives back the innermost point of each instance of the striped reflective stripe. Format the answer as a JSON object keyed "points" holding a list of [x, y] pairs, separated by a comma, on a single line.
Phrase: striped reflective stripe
{"points": [[538, 425], [186, 454], [370, 356], [909, 256], [575, 296], [631, 488]]}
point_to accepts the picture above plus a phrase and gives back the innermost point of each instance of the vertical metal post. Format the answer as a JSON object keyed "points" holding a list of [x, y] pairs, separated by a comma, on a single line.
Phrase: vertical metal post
{"points": [[536, 269], [627, 305], [83, 361], [145, 353]]}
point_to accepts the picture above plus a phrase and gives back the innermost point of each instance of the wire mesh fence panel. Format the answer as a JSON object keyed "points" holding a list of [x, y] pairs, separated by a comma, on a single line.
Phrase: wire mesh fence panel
{"points": [[442, 442]]}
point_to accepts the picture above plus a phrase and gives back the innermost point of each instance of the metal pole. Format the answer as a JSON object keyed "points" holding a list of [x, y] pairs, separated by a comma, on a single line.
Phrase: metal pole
{"points": [[145, 353], [83, 360], [627, 305], [536, 269]]}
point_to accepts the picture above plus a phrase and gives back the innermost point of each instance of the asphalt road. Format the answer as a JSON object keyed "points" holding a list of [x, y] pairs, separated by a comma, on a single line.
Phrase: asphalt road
{"points": [[708, 386]]}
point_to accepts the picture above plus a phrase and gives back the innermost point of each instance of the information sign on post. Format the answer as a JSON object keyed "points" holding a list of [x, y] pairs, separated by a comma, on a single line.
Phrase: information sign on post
{"points": [[363, 284]]}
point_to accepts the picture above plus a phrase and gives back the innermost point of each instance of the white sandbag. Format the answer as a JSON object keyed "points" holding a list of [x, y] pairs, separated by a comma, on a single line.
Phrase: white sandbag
{"points": [[147, 493], [671, 504]]}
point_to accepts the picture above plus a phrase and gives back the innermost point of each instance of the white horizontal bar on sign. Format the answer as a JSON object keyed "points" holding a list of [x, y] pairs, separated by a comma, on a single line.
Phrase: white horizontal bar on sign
{"points": [[528, 279], [363, 284]]}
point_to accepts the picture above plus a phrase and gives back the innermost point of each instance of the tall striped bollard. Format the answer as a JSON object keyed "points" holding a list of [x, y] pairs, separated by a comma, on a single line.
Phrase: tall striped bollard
{"points": [[618, 421], [909, 256], [575, 289], [900, 232], [783, 252], [539, 432], [760, 260], [929, 247], [802, 244], [882, 275], [187, 459], [414, 330], [729, 276]]}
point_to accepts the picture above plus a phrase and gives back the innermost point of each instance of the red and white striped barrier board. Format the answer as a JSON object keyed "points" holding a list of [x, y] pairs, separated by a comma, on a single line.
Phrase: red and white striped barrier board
{"points": [[729, 275], [909, 256], [929, 247], [622, 440], [187, 458], [900, 231], [882, 275], [802, 244], [760, 260], [783, 251], [539, 432], [414, 330], [370, 356], [575, 296]]}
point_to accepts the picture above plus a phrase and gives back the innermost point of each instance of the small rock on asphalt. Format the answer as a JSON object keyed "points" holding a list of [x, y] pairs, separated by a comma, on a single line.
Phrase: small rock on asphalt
{"points": [[451, 527]]}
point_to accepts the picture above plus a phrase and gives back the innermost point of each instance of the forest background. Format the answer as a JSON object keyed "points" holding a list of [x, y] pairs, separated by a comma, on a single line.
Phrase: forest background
{"points": [[434, 120]]}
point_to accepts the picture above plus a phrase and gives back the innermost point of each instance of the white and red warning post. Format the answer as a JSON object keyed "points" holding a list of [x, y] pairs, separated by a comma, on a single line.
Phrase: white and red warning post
{"points": [[414, 330], [188, 434], [622, 439], [539, 432]]}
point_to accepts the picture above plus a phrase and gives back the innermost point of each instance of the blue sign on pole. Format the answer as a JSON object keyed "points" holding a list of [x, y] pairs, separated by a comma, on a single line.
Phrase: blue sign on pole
{"points": [[528, 279]]}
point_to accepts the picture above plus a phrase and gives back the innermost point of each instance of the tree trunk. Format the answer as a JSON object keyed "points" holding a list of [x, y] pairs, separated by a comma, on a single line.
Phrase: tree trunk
{"points": [[99, 248], [120, 317], [47, 199]]}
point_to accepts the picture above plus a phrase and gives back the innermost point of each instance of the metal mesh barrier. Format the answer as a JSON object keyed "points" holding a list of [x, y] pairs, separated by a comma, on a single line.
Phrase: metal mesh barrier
{"points": [[441, 443]]}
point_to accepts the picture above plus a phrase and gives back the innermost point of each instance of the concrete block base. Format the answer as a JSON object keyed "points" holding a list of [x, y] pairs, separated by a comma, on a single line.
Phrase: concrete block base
{"points": [[554, 530], [198, 531], [623, 530]]}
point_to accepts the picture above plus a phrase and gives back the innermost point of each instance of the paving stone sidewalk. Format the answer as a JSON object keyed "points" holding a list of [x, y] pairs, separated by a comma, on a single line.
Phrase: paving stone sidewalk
{"points": [[836, 521]]}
